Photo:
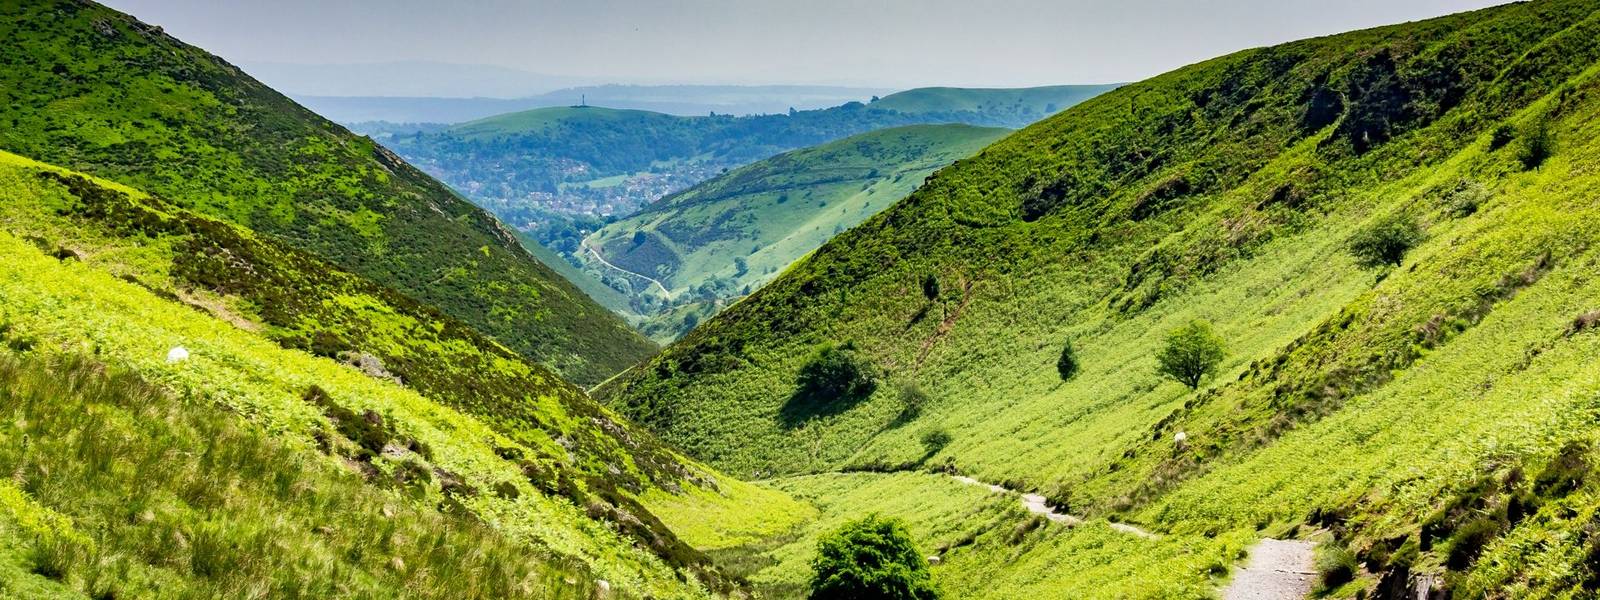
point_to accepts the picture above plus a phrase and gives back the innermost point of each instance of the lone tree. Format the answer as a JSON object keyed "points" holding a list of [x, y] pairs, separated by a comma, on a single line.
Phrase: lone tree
{"points": [[1385, 242], [1067, 365], [1192, 353], [833, 372], [870, 558]]}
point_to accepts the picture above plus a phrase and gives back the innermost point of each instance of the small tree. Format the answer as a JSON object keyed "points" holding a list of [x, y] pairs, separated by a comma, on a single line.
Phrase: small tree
{"points": [[1538, 144], [1385, 242], [870, 558], [935, 439], [1192, 353], [912, 399], [832, 372], [1067, 364]]}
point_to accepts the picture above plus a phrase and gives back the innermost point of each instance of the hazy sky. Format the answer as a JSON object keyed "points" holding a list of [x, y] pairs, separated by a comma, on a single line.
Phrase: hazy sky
{"points": [[888, 43]]}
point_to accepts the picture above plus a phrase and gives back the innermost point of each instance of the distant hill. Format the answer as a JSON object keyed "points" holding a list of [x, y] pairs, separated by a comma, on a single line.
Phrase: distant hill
{"points": [[1393, 236], [729, 235], [128, 102], [683, 100], [539, 170]]}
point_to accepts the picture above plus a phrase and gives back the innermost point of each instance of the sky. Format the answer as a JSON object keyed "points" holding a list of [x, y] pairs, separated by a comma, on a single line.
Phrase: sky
{"points": [[876, 43]]}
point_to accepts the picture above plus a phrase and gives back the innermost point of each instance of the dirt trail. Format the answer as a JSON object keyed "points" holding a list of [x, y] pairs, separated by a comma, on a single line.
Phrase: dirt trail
{"points": [[585, 245], [1278, 570], [1037, 504]]}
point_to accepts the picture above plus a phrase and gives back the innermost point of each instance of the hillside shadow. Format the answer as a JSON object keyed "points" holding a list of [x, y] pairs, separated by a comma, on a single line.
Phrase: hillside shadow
{"points": [[805, 404]]}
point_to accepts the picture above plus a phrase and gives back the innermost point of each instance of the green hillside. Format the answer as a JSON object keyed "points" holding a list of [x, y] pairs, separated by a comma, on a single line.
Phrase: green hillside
{"points": [[718, 240], [547, 170], [1434, 418], [550, 120], [1026, 104], [382, 401], [100, 92]]}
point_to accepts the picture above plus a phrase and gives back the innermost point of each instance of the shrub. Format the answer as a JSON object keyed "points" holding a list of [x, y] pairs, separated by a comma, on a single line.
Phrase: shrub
{"points": [[1192, 352], [1538, 144], [870, 558], [1470, 541], [832, 372], [1502, 135], [1336, 566], [1385, 242], [935, 439], [1067, 364], [912, 398], [1466, 197]]}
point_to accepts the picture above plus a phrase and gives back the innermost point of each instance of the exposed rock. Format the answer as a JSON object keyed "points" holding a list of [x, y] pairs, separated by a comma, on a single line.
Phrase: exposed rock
{"points": [[370, 365]]}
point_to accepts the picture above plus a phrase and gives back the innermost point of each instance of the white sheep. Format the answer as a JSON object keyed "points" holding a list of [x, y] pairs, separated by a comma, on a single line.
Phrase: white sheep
{"points": [[177, 354]]}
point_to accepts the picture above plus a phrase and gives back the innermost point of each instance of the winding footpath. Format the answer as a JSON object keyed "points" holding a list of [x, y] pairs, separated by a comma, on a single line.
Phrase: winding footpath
{"points": [[596, 253], [1037, 504], [1278, 569]]}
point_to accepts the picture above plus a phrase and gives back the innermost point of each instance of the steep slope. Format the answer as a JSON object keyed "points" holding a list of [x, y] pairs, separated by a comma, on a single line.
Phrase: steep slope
{"points": [[424, 405], [1434, 418], [98, 91], [536, 169], [722, 238]]}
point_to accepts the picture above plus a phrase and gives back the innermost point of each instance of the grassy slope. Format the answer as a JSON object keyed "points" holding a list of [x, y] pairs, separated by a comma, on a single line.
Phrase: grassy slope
{"points": [[92, 89], [774, 211], [1226, 191], [597, 291], [515, 417], [123, 490]]}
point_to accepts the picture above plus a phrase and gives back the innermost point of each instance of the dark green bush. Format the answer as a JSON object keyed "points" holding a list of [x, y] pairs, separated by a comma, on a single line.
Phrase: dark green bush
{"points": [[930, 287], [835, 372], [1067, 364], [1192, 353], [1502, 135], [912, 399], [1385, 242], [1538, 144], [1565, 473], [1469, 542], [870, 558], [1336, 566], [935, 439]]}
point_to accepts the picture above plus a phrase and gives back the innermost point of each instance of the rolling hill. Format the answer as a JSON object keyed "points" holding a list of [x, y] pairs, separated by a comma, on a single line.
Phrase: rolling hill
{"points": [[539, 170], [683, 100], [102, 93], [715, 242], [1425, 416]]}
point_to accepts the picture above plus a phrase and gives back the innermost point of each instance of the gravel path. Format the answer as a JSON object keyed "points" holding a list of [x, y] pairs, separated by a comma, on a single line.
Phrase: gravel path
{"points": [[585, 245], [1037, 504], [1278, 570]]}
